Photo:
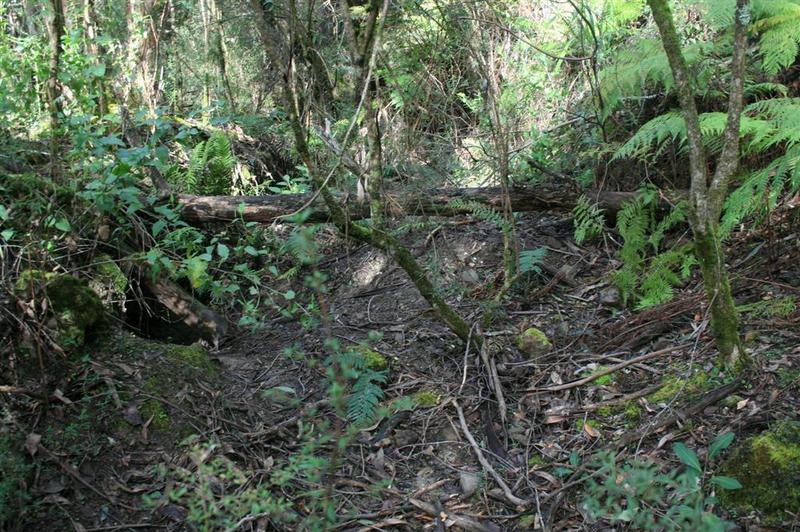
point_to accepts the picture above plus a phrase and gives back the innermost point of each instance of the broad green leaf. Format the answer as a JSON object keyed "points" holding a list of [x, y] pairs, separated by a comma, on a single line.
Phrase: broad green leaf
{"points": [[720, 444], [63, 225], [8, 234], [3, 213], [687, 456], [727, 483], [158, 227], [223, 251]]}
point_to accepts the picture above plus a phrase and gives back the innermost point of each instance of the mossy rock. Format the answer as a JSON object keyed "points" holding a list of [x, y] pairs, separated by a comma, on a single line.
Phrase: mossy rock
{"points": [[768, 467], [533, 342]]}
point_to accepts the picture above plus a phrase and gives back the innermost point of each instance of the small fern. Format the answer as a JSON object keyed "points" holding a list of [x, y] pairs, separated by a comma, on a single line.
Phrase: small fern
{"points": [[365, 395], [210, 168], [481, 212], [531, 259], [588, 220], [647, 279]]}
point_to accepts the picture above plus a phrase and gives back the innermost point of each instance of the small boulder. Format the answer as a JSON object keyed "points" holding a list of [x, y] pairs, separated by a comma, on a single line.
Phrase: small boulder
{"points": [[533, 342]]}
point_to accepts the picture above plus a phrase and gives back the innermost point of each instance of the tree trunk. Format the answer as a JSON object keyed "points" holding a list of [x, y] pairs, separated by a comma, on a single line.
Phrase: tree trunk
{"points": [[93, 49], [706, 196], [53, 86], [432, 202]]}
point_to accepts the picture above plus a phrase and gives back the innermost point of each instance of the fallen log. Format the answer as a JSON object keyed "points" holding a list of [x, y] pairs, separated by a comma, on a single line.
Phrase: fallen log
{"points": [[433, 202]]}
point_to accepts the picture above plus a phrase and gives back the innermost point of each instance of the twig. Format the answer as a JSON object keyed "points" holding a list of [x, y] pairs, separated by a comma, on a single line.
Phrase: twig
{"points": [[611, 369], [494, 383], [467, 523], [484, 462]]}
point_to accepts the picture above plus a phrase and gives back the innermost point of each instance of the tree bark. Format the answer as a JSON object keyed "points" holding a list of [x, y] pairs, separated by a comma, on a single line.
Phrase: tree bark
{"points": [[433, 202]]}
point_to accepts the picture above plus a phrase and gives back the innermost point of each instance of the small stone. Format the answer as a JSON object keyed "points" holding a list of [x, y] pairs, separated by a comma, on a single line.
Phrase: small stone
{"points": [[470, 276], [610, 297], [469, 483], [533, 342]]}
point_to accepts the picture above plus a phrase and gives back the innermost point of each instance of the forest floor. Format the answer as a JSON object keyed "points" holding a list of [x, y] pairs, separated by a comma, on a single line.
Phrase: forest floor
{"points": [[126, 431]]}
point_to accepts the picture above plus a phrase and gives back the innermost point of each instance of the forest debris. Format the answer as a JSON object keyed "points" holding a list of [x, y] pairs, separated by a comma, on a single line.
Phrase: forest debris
{"points": [[453, 519], [509, 496], [608, 370]]}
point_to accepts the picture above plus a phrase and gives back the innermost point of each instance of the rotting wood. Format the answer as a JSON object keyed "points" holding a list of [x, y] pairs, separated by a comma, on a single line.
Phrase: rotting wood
{"points": [[433, 202]]}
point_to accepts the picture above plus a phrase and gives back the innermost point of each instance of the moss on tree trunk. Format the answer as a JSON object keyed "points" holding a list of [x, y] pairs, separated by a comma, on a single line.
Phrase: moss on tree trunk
{"points": [[724, 317]]}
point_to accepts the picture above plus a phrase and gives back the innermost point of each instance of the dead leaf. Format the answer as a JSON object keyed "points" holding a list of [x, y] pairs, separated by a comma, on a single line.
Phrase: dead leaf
{"points": [[664, 439], [591, 431], [552, 418], [58, 394], [741, 404], [32, 443], [555, 378]]}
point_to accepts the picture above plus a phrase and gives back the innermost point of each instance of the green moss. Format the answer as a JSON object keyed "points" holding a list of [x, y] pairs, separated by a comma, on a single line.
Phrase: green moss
{"points": [[74, 308], [606, 412], [593, 423], [426, 398], [633, 412], [189, 357], [533, 342], [161, 421], [372, 359], [537, 460], [767, 466], [605, 380], [685, 387]]}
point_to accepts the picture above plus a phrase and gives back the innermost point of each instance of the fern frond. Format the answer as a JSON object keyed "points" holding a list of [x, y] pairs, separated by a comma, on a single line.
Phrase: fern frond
{"points": [[481, 212], [530, 259], [588, 220], [366, 394], [778, 22]]}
